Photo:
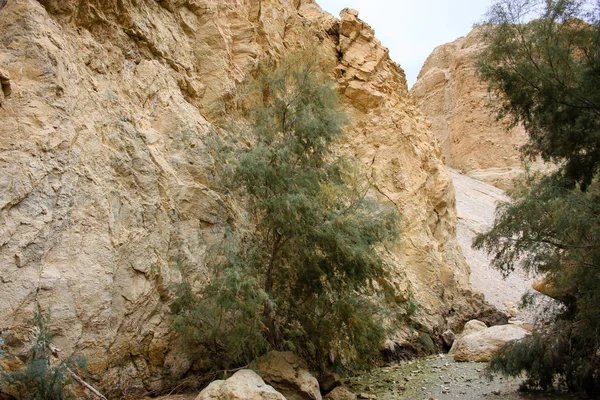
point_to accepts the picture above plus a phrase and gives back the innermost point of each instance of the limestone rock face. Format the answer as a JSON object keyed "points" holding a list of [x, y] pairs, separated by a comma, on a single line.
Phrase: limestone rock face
{"points": [[481, 345], [365, 70], [404, 161], [105, 175], [456, 103], [243, 385]]}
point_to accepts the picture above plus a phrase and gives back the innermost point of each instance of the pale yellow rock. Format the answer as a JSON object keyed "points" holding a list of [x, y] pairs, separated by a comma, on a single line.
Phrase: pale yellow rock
{"points": [[473, 326], [404, 162], [5, 85], [480, 346], [243, 385], [288, 374], [457, 104], [106, 182], [545, 285], [340, 393]]}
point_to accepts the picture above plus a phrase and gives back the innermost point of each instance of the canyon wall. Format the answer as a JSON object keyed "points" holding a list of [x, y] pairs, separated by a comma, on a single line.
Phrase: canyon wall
{"points": [[458, 107], [105, 175]]}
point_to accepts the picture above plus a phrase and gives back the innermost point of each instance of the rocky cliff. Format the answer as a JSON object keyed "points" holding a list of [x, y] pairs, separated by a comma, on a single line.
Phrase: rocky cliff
{"points": [[105, 178], [457, 105]]}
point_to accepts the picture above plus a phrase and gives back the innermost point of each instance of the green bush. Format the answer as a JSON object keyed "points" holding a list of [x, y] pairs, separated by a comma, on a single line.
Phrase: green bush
{"points": [[554, 230], [43, 378], [297, 273], [549, 358], [545, 75]]}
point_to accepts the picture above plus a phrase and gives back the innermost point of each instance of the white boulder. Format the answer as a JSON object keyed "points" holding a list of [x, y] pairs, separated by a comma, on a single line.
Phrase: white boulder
{"points": [[481, 345], [243, 385]]}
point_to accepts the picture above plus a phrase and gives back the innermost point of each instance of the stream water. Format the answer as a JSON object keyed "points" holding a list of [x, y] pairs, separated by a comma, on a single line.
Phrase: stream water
{"points": [[439, 377]]}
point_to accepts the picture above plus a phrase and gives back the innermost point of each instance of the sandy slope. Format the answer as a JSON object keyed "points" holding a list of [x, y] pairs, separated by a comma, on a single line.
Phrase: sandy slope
{"points": [[476, 203]]}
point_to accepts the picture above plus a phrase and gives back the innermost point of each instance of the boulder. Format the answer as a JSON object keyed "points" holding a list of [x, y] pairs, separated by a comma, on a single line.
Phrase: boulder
{"points": [[473, 326], [244, 384], [545, 285], [340, 393], [448, 337], [329, 381], [289, 374], [512, 310], [481, 345]]}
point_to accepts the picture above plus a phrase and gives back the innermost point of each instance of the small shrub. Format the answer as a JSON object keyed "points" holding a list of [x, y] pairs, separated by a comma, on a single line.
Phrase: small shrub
{"points": [[43, 378], [425, 344], [550, 358]]}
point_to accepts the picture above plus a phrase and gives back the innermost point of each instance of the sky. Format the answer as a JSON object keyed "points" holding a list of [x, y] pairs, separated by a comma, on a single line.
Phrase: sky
{"points": [[411, 29]]}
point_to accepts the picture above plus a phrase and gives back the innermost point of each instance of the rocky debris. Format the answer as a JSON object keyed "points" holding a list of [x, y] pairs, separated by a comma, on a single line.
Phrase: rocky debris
{"points": [[107, 182], [340, 393], [366, 396], [456, 103], [511, 309], [432, 377], [243, 385], [514, 321], [289, 374], [481, 345]]}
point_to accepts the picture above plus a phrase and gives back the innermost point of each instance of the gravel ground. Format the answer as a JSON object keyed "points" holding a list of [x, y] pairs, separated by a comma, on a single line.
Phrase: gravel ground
{"points": [[438, 377]]}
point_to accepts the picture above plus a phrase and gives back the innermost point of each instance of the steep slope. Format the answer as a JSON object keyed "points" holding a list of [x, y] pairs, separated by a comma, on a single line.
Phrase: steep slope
{"points": [[476, 204], [105, 176], [457, 104]]}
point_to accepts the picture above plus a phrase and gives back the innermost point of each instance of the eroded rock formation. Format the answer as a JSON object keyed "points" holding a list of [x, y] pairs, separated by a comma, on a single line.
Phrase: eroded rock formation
{"points": [[105, 176], [457, 104]]}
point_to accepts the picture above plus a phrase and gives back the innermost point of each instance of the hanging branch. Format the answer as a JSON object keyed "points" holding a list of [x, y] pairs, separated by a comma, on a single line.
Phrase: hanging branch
{"points": [[56, 353]]}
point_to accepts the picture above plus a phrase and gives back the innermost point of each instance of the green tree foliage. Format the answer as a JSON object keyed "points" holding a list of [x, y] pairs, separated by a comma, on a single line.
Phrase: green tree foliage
{"points": [[546, 73], [43, 378], [556, 231], [298, 278]]}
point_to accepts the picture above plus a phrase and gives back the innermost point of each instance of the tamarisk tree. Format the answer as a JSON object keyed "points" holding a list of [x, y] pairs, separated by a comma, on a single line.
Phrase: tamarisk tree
{"points": [[299, 275], [543, 61]]}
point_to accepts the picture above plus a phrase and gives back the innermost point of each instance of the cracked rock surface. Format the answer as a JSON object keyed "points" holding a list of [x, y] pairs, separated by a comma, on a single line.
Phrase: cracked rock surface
{"points": [[106, 180]]}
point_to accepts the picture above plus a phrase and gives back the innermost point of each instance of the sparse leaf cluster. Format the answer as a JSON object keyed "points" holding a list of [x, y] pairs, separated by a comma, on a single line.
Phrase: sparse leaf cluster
{"points": [[44, 377]]}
